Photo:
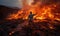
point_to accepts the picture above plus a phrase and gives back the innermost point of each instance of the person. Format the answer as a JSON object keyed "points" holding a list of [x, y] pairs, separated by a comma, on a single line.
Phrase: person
{"points": [[30, 18]]}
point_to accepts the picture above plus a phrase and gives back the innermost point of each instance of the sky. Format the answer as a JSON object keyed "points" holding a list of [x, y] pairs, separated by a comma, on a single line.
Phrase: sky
{"points": [[18, 3], [11, 3]]}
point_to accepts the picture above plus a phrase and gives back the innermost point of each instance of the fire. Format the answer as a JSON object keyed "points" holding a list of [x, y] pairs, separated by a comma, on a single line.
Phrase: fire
{"points": [[42, 11]]}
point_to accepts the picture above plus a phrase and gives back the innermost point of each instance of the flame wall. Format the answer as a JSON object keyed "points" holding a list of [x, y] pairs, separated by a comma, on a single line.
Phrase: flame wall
{"points": [[41, 8]]}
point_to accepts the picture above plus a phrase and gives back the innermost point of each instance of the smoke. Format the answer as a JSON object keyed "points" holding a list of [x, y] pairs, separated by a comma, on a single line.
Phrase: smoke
{"points": [[46, 2]]}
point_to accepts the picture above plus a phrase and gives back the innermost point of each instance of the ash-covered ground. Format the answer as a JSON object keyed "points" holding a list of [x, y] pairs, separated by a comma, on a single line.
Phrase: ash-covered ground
{"points": [[22, 27]]}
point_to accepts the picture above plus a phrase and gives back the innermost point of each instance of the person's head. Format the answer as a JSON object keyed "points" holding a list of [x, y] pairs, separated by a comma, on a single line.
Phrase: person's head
{"points": [[30, 12]]}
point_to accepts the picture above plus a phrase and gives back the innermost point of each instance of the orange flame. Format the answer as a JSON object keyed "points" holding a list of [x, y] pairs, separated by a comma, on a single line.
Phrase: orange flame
{"points": [[42, 12]]}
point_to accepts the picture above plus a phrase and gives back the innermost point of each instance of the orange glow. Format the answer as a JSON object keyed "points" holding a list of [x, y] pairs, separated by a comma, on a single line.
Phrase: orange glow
{"points": [[42, 12], [11, 33]]}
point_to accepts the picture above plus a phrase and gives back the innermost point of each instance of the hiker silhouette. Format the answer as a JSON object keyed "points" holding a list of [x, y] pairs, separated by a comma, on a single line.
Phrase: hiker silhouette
{"points": [[30, 17]]}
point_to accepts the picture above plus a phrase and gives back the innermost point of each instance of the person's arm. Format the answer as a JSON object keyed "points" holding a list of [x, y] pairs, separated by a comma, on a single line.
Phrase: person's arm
{"points": [[34, 14]]}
